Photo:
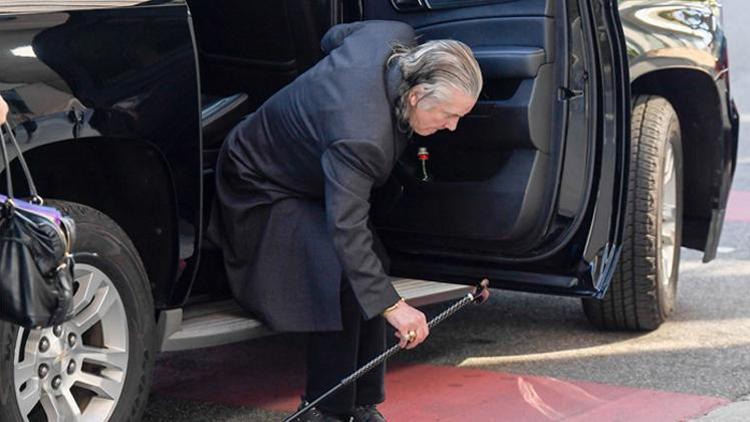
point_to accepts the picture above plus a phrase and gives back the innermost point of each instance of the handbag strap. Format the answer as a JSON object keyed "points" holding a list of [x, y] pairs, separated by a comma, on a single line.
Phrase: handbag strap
{"points": [[35, 198], [6, 162]]}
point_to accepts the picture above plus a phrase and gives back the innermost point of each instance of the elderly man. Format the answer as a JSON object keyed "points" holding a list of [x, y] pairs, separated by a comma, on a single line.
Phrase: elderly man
{"points": [[293, 188]]}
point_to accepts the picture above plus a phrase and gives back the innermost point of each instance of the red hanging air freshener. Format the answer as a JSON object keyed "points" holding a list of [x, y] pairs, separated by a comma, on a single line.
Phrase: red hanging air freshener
{"points": [[423, 155]]}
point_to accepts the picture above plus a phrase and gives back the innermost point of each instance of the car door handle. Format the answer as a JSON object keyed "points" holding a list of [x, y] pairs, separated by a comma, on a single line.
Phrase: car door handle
{"points": [[408, 5]]}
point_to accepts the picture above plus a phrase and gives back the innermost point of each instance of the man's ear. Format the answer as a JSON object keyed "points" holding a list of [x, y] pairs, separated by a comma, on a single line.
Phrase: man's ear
{"points": [[415, 94]]}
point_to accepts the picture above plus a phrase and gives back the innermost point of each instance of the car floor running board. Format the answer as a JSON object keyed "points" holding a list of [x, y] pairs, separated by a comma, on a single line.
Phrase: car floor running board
{"points": [[223, 322]]}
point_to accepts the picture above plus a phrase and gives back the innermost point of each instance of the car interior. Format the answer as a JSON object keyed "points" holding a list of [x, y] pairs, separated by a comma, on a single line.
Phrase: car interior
{"points": [[489, 188]]}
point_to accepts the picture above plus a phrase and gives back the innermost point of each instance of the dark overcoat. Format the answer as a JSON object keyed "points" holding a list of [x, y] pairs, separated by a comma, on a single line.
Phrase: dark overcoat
{"points": [[294, 181]]}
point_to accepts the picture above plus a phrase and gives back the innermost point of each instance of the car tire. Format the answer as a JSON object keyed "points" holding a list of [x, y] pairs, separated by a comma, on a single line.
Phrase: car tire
{"points": [[643, 290], [110, 340]]}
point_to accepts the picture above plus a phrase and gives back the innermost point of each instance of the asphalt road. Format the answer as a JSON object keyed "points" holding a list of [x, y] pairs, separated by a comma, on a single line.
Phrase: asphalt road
{"points": [[703, 349]]}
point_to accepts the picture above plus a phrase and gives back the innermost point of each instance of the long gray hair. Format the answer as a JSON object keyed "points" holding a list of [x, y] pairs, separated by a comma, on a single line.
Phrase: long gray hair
{"points": [[437, 66]]}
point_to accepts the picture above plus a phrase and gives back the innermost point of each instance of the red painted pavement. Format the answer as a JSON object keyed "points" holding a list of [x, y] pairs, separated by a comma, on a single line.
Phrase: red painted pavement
{"points": [[433, 393], [258, 375], [738, 208]]}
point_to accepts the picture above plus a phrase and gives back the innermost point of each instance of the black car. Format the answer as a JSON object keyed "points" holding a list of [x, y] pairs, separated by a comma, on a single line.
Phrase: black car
{"points": [[605, 139]]}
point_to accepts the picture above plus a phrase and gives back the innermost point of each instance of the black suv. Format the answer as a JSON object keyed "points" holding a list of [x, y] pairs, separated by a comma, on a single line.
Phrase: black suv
{"points": [[605, 139]]}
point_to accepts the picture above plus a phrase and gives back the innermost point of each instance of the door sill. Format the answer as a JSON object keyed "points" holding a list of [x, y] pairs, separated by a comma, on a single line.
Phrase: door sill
{"points": [[224, 322]]}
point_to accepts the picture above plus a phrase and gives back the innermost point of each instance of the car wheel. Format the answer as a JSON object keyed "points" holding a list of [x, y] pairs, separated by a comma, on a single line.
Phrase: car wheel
{"points": [[643, 290], [98, 365]]}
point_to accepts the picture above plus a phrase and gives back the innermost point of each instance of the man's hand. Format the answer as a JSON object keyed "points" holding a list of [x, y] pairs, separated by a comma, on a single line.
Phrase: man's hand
{"points": [[3, 111], [406, 319]]}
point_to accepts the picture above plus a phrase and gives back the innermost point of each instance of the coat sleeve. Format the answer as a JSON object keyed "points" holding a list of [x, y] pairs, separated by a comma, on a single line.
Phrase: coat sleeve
{"points": [[351, 168]]}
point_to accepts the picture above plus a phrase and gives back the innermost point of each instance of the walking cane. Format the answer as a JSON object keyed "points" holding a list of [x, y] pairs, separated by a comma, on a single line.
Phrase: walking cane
{"points": [[479, 295]]}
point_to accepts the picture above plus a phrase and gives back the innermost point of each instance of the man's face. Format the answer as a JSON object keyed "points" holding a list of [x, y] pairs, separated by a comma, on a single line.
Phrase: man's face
{"points": [[430, 115]]}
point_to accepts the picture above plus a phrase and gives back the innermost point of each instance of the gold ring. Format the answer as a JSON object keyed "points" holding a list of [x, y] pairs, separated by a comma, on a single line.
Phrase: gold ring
{"points": [[411, 335]]}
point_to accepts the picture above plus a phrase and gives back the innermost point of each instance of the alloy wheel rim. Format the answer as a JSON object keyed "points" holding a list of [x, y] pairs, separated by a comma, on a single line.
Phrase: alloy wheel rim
{"points": [[76, 371], [668, 217]]}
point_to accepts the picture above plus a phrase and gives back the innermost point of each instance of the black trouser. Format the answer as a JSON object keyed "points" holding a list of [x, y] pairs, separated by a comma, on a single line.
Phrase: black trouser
{"points": [[334, 355]]}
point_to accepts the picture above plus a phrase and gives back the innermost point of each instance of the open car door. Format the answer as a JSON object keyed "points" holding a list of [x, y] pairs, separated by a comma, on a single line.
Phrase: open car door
{"points": [[529, 190]]}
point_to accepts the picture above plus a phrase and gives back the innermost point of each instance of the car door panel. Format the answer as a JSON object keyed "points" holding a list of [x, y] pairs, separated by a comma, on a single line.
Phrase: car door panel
{"points": [[93, 81], [487, 201], [486, 179]]}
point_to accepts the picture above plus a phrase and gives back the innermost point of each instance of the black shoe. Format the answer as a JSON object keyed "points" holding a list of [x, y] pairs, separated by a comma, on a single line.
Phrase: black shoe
{"points": [[317, 415], [368, 413]]}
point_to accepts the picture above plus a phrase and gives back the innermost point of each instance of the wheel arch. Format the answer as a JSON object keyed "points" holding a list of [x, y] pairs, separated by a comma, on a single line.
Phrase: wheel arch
{"points": [[129, 181], [695, 97]]}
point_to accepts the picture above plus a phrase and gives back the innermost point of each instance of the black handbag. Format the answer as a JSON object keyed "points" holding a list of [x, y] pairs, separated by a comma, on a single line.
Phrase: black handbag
{"points": [[36, 264]]}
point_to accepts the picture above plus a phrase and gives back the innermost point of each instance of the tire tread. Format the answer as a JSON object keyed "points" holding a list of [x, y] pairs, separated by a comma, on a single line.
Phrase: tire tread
{"points": [[632, 302]]}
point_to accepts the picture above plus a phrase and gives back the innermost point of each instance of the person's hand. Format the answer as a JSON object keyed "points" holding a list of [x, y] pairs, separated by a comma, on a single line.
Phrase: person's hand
{"points": [[406, 319], [3, 111]]}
